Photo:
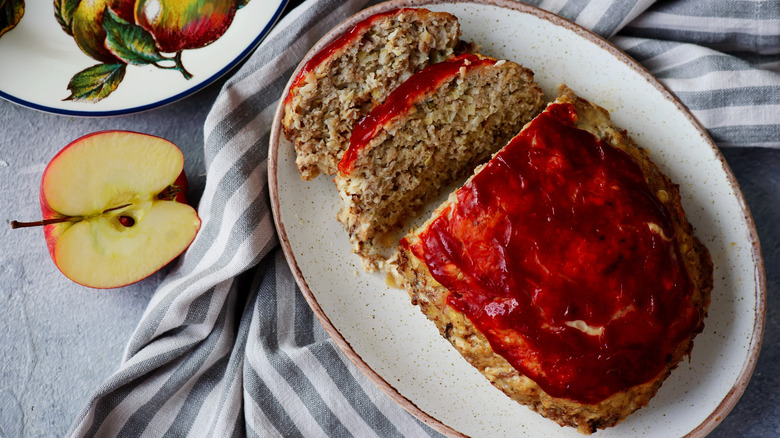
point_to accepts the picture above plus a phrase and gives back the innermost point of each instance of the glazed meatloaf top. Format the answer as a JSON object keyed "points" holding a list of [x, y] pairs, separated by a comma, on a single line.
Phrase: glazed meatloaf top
{"points": [[565, 269], [353, 74]]}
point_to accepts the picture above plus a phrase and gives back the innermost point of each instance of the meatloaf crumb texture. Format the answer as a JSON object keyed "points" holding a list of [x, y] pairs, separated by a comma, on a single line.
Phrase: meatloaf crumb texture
{"points": [[356, 76], [412, 274], [439, 138]]}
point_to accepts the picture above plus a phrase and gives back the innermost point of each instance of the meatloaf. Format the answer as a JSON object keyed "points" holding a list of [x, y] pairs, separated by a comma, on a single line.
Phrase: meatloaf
{"points": [[564, 270], [356, 72], [431, 130]]}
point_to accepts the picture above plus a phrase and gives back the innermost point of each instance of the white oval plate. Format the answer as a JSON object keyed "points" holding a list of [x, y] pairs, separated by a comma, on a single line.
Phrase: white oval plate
{"points": [[39, 59], [397, 347]]}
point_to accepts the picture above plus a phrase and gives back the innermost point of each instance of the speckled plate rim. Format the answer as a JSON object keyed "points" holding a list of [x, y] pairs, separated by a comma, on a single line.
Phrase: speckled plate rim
{"points": [[733, 395], [157, 101]]}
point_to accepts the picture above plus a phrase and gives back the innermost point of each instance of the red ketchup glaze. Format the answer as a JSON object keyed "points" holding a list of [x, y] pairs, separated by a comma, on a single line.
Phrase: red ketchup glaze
{"points": [[344, 40], [554, 230], [401, 99]]}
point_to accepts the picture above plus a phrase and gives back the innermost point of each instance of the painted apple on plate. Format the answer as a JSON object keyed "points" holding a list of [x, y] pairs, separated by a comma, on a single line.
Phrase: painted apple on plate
{"points": [[118, 33]]}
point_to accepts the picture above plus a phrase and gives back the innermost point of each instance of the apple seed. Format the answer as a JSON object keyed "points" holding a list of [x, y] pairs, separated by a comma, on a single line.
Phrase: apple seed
{"points": [[126, 221]]}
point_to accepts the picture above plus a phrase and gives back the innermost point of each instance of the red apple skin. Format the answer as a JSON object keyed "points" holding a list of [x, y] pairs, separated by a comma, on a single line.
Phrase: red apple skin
{"points": [[52, 232], [185, 24]]}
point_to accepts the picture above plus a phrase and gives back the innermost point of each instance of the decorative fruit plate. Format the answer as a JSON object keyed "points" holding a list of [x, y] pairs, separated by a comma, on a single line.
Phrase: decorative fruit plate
{"points": [[402, 352], [102, 58]]}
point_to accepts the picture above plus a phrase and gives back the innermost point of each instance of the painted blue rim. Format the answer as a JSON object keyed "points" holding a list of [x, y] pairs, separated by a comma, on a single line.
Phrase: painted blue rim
{"points": [[243, 55]]}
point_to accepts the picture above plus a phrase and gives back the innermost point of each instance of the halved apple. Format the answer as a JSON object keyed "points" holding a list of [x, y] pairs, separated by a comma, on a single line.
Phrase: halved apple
{"points": [[114, 208]]}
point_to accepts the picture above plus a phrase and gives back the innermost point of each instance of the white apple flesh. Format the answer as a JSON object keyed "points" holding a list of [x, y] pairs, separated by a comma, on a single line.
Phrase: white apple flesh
{"points": [[116, 193]]}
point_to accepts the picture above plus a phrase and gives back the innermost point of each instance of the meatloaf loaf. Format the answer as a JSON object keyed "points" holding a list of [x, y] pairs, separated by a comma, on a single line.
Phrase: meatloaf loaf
{"points": [[565, 269], [431, 130], [356, 72]]}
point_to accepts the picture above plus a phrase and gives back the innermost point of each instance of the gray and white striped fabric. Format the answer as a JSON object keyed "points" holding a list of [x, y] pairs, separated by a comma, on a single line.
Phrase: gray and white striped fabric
{"points": [[228, 346]]}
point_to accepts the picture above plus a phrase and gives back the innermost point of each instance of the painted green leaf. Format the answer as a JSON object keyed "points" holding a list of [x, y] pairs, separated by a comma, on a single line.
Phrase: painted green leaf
{"points": [[242, 3], [63, 12], [11, 12], [95, 83], [130, 43]]}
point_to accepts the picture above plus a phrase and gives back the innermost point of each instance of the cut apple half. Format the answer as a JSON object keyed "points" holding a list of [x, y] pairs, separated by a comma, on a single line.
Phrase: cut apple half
{"points": [[117, 200]]}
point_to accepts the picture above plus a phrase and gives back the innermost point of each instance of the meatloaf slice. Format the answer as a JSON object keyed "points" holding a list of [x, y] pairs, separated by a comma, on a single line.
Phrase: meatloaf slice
{"points": [[564, 270], [352, 75], [431, 130]]}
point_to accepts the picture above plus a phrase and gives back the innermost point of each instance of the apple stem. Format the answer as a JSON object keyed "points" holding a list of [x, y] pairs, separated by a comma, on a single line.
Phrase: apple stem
{"points": [[177, 59], [180, 66], [177, 65], [59, 220]]}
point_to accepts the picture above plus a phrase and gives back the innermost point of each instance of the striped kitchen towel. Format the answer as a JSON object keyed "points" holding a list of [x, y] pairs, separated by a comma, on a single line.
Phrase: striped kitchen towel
{"points": [[228, 346]]}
